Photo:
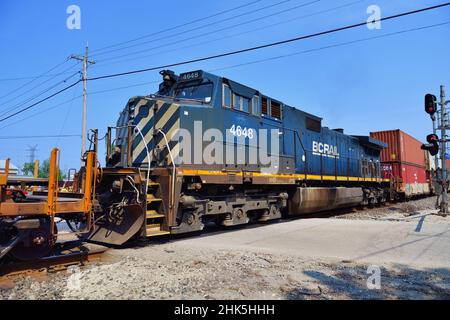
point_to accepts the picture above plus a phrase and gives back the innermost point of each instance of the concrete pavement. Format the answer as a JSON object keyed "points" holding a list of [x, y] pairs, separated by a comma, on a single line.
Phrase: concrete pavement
{"points": [[416, 243]]}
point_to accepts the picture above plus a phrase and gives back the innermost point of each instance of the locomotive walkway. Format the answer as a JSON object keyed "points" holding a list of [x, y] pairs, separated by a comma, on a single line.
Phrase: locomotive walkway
{"points": [[417, 242]]}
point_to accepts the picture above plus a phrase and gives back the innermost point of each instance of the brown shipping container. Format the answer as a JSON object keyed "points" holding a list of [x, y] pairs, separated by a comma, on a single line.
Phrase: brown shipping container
{"points": [[401, 148]]}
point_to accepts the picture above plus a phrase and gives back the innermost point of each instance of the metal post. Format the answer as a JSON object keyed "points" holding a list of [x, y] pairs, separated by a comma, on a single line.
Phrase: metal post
{"points": [[83, 130], [52, 196], [36, 169], [86, 62], [108, 144], [436, 158], [444, 198], [129, 147]]}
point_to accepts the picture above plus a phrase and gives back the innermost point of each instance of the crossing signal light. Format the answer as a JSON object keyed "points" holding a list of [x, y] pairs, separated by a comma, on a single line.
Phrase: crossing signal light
{"points": [[432, 138], [433, 144], [430, 104]]}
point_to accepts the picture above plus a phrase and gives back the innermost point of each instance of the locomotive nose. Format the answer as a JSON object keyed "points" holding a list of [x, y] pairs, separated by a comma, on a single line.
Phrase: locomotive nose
{"points": [[151, 117]]}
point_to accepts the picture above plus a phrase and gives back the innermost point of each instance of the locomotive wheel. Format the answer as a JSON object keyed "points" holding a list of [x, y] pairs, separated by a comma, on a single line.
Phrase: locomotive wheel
{"points": [[36, 243]]}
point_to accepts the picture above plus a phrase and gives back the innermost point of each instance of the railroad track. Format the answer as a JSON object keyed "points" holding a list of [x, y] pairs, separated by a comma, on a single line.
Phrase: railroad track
{"points": [[68, 254]]}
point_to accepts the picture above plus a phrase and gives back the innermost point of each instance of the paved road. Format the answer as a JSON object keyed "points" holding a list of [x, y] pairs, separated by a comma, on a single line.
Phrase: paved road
{"points": [[416, 243]]}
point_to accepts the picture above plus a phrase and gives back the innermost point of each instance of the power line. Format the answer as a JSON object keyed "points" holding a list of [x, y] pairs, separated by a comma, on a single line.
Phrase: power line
{"points": [[40, 101], [29, 82], [39, 85], [272, 44], [205, 25], [33, 77], [227, 28], [40, 112], [243, 64], [235, 52], [69, 109], [331, 46], [179, 26], [40, 137], [8, 110], [78, 97], [228, 36]]}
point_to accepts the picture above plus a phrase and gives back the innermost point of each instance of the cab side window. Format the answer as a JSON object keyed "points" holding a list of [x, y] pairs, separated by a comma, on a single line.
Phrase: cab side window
{"points": [[226, 96], [255, 108], [245, 104], [234, 101], [237, 102]]}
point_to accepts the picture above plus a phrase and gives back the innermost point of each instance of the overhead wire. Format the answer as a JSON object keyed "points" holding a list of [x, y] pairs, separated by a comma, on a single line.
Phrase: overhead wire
{"points": [[247, 63], [11, 108], [40, 137], [271, 44], [43, 111], [234, 52], [39, 85], [69, 109], [226, 28], [386, 35], [102, 64], [179, 26], [78, 97], [196, 28], [40, 101], [34, 79]]}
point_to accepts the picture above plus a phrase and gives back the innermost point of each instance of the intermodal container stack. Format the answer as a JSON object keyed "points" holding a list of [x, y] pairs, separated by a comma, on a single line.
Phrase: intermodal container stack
{"points": [[404, 163]]}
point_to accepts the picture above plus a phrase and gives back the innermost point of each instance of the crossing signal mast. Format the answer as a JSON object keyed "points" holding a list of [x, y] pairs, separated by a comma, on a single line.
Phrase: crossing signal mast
{"points": [[441, 123]]}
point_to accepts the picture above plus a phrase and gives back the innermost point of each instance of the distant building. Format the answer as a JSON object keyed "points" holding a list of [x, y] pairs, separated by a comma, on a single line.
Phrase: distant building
{"points": [[13, 170]]}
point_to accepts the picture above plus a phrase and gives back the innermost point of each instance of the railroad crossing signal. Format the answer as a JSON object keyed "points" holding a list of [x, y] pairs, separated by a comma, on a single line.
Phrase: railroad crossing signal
{"points": [[430, 104], [436, 145], [433, 144], [432, 138]]}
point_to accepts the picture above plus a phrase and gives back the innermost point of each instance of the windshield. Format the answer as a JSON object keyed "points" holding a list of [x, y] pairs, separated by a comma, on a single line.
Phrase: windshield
{"points": [[201, 92]]}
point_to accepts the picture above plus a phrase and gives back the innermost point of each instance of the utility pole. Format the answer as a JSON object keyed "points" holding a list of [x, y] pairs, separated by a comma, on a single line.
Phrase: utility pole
{"points": [[32, 153], [444, 125], [86, 63], [436, 159], [437, 146]]}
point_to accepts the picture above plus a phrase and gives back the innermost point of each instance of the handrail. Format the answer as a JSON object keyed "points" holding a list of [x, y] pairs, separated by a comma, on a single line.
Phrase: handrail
{"points": [[304, 150], [174, 168], [149, 160]]}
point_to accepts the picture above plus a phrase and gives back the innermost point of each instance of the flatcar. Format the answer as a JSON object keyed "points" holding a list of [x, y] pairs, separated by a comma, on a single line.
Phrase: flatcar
{"points": [[204, 149]]}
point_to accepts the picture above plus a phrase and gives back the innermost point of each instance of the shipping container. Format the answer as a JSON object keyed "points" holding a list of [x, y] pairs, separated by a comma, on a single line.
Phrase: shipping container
{"points": [[405, 163], [401, 147], [407, 180]]}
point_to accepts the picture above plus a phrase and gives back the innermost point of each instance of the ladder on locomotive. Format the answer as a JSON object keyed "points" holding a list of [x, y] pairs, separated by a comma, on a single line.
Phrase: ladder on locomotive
{"points": [[155, 211]]}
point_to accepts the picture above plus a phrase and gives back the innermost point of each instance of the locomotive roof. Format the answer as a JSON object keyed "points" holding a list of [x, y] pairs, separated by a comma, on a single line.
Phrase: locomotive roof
{"points": [[237, 87]]}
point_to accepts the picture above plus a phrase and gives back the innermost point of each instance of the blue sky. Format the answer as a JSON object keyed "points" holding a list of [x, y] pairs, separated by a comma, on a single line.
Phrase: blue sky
{"points": [[362, 87]]}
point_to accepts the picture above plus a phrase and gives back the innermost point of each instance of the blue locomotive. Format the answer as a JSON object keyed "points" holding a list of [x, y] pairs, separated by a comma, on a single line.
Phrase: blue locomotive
{"points": [[214, 150], [203, 149]]}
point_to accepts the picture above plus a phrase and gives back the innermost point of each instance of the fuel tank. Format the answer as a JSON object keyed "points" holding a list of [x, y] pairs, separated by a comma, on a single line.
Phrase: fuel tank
{"points": [[310, 200]]}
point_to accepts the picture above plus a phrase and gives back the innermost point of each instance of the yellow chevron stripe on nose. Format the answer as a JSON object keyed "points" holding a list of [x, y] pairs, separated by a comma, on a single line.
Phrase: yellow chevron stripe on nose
{"points": [[149, 136], [169, 134]]}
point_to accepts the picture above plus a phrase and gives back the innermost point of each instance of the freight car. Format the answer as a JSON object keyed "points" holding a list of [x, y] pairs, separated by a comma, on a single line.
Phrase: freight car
{"points": [[207, 149], [407, 166]]}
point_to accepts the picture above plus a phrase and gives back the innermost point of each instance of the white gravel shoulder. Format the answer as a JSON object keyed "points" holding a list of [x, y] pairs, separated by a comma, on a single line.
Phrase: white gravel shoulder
{"points": [[174, 270]]}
